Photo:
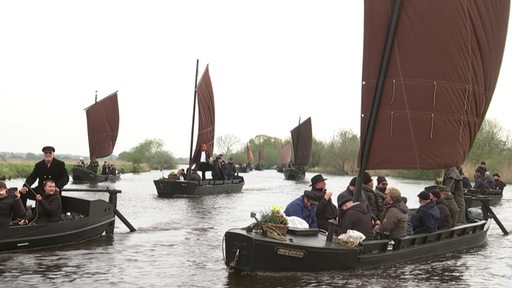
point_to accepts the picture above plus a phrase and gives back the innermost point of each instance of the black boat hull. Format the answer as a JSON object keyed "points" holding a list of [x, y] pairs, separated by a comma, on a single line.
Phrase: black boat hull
{"points": [[95, 218], [494, 195], [176, 188], [84, 175], [293, 174], [251, 252]]}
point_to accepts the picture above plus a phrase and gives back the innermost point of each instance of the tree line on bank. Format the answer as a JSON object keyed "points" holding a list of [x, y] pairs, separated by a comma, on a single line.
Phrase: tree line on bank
{"points": [[336, 156]]}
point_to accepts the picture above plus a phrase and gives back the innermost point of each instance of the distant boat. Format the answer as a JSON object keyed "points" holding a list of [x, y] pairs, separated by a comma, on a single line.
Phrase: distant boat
{"points": [[172, 186], [285, 154], [260, 166], [247, 167], [302, 140], [102, 128], [429, 73]]}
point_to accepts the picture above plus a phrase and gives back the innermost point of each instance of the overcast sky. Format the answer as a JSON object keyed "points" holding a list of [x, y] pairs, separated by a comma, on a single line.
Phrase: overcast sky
{"points": [[271, 62]]}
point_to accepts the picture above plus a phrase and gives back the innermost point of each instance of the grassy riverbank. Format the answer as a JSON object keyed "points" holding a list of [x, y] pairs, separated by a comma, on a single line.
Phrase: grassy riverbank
{"points": [[23, 168]]}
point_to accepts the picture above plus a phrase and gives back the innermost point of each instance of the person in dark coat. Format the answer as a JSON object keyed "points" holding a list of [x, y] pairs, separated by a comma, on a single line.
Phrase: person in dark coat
{"points": [[49, 205], [304, 207], [354, 216], [498, 184], [46, 169], [481, 169], [426, 218], [10, 205], [325, 210], [229, 170], [445, 217], [448, 199], [453, 180], [104, 168]]}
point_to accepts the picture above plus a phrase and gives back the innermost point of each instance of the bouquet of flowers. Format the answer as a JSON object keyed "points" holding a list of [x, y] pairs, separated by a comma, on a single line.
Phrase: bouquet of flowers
{"points": [[273, 215]]}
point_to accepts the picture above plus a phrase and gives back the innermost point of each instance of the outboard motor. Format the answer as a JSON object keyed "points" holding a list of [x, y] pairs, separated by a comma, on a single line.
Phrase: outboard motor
{"points": [[475, 214]]}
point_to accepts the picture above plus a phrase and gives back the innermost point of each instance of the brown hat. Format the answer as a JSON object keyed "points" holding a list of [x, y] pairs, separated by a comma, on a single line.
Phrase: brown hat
{"points": [[48, 148], [2, 185], [317, 178]]}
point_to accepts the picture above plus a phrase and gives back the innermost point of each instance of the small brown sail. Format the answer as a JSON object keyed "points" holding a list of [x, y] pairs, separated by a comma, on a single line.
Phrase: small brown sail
{"points": [[103, 126], [261, 157], [443, 68], [285, 153], [206, 115], [250, 155], [302, 140]]}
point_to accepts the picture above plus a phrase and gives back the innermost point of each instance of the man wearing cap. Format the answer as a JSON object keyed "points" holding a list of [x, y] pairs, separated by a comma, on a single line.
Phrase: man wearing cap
{"points": [[304, 207], [449, 200], [48, 168], [498, 184], [426, 218], [354, 216], [10, 204], [394, 215], [325, 210]]}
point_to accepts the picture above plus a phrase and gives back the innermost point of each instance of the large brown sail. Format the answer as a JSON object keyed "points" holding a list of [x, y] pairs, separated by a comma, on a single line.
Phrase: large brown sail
{"points": [[103, 126], [443, 68], [206, 115], [302, 140]]}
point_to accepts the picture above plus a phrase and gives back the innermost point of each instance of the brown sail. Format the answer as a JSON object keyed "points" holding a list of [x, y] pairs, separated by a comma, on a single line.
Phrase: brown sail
{"points": [[285, 153], [103, 126], [261, 157], [206, 115], [443, 68], [250, 155], [302, 140]]}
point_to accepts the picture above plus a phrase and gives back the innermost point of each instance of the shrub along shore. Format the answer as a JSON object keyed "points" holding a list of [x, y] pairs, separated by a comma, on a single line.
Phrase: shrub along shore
{"points": [[22, 168]]}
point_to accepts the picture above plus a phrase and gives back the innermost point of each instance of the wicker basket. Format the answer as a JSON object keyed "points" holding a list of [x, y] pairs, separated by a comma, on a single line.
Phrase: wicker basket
{"points": [[281, 228]]}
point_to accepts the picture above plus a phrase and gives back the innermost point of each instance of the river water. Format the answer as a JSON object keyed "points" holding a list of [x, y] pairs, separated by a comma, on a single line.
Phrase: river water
{"points": [[178, 243]]}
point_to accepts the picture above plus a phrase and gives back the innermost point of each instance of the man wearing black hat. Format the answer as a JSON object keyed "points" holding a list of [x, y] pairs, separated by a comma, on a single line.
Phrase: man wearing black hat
{"points": [[325, 210], [48, 168], [304, 207]]}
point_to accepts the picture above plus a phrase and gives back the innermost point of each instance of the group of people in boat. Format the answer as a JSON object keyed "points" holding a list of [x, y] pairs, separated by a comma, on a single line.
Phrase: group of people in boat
{"points": [[220, 169], [108, 169], [51, 176], [484, 182], [93, 166], [380, 211]]}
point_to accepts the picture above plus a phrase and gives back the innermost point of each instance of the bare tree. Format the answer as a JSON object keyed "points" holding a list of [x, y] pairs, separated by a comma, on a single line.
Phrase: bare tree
{"points": [[225, 144]]}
